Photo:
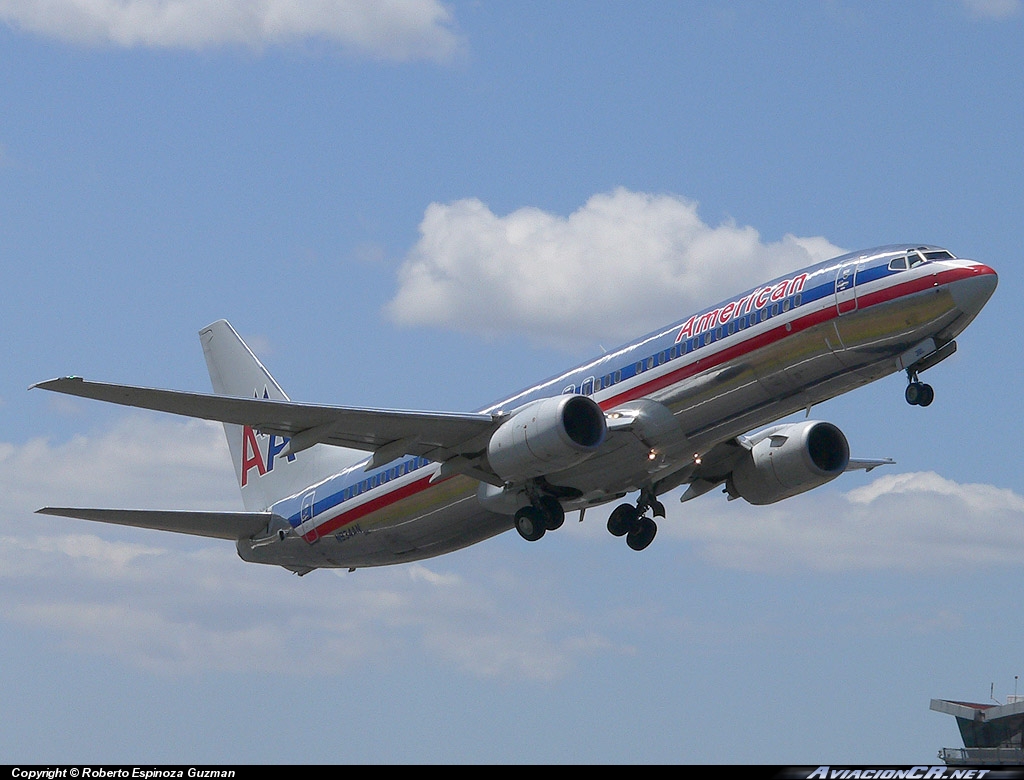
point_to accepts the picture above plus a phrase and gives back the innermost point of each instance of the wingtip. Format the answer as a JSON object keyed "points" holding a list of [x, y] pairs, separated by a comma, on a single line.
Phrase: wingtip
{"points": [[51, 384], [214, 324]]}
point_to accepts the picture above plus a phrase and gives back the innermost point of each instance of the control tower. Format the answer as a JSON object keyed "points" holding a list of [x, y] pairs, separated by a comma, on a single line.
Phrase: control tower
{"points": [[993, 734]]}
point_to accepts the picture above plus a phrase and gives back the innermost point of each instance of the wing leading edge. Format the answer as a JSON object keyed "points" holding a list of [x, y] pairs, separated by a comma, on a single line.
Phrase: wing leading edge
{"points": [[439, 436]]}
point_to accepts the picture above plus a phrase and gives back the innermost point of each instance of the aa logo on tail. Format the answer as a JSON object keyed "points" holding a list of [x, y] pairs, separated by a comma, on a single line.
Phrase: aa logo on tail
{"points": [[253, 455]]}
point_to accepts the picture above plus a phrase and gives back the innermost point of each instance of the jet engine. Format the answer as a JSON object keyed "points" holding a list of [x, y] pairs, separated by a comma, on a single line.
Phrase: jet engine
{"points": [[786, 460], [547, 436]]}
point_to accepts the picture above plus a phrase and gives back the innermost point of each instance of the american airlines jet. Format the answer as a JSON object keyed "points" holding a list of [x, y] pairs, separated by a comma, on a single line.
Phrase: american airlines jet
{"points": [[335, 486]]}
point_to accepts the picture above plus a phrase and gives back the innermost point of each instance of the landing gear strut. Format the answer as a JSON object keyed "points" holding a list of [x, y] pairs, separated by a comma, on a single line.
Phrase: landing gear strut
{"points": [[918, 393], [631, 521]]}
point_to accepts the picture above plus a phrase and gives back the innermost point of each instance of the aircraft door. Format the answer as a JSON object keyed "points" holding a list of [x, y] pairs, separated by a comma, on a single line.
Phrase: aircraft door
{"points": [[306, 516], [846, 288], [851, 336]]}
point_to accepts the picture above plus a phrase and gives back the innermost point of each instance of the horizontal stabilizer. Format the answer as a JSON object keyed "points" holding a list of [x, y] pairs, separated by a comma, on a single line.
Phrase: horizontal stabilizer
{"points": [[215, 525]]}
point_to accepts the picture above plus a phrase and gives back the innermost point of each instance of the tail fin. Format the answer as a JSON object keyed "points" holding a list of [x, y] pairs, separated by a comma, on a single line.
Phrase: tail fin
{"points": [[265, 476]]}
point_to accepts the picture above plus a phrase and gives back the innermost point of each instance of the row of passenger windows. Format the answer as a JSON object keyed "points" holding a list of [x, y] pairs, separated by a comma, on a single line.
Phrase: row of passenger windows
{"points": [[378, 479], [591, 385]]}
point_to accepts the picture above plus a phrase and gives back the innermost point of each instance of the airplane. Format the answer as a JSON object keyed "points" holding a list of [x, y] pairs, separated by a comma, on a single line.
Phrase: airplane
{"points": [[345, 487]]}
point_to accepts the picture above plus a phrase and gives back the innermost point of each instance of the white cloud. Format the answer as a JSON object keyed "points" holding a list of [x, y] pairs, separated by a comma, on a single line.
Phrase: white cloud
{"points": [[174, 604], [181, 611], [912, 521], [389, 29], [993, 9], [179, 605], [143, 461], [621, 265]]}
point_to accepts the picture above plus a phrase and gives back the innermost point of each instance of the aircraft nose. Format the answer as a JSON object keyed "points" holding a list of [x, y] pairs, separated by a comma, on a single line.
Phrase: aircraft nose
{"points": [[972, 291]]}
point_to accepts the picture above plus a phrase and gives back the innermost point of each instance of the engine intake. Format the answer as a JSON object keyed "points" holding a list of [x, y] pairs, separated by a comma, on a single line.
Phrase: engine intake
{"points": [[547, 436], [788, 460]]}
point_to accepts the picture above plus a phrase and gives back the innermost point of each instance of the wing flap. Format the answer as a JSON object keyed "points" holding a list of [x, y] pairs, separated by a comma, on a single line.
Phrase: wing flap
{"points": [[215, 525]]}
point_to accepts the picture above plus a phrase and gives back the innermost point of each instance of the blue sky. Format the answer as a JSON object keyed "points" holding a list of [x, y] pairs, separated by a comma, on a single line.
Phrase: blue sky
{"points": [[428, 205]]}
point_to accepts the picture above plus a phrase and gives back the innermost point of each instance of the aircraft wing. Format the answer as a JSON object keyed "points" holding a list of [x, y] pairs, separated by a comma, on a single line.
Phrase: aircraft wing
{"points": [[387, 433], [867, 464], [215, 525]]}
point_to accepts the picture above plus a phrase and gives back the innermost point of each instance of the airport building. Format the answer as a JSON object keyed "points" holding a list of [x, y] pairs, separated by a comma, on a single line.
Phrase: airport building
{"points": [[993, 734]]}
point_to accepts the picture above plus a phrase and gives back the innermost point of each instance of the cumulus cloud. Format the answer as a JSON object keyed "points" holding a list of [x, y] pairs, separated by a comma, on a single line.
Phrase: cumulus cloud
{"points": [[178, 610], [388, 29], [143, 461], [902, 522], [174, 604], [621, 265], [179, 605]]}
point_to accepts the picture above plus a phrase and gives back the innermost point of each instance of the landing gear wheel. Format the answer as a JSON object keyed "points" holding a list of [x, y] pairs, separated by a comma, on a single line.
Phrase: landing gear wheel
{"points": [[622, 520], [643, 535], [927, 395], [552, 511], [530, 523], [657, 508], [919, 394]]}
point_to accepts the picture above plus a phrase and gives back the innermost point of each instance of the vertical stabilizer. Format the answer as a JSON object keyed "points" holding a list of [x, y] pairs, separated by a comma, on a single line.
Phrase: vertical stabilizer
{"points": [[264, 475]]}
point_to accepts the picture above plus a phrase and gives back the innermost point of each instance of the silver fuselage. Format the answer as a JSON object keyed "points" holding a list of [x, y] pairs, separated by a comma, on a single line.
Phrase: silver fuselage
{"points": [[776, 349]]}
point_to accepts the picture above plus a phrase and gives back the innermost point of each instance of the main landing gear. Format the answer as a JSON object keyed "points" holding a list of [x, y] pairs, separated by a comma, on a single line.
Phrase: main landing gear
{"points": [[629, 520], [632, 521], [918, 393], [533, 521]]}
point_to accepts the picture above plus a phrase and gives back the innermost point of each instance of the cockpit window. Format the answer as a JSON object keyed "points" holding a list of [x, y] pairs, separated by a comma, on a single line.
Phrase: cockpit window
{"points": [[915, 259], [919, 256]]}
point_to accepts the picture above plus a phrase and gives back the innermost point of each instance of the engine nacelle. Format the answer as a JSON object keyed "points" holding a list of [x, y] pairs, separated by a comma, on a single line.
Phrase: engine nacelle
{"points": [[789, 459], [547, 436]]}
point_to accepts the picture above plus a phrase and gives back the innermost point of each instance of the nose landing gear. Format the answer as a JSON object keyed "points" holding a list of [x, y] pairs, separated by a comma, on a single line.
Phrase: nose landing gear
{"points": [[918, 393]]}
